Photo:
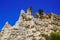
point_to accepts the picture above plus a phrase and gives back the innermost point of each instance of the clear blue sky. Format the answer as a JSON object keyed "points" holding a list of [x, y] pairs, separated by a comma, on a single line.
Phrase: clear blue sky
{"points": [[10, 9]]}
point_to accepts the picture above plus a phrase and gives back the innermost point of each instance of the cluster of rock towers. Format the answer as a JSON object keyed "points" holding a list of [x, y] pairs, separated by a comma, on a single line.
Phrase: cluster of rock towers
{"points": [[29, 27]]}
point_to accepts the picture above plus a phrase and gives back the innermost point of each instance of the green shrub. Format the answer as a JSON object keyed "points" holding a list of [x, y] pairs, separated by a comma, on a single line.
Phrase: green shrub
{"points": [[55, 36]]}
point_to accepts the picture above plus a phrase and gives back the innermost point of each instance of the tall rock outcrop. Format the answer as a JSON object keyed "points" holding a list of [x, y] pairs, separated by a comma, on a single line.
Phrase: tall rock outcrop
{"points": [[31, 28]]}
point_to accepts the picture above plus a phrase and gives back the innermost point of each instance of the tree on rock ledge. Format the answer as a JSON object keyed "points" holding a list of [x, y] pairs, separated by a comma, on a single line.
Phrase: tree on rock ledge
{"points": [[40, 11], [39, 14]]}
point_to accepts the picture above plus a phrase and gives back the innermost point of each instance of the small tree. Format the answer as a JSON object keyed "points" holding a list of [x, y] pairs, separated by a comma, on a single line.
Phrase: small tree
{"points": [[40, 11], [39, 14]]}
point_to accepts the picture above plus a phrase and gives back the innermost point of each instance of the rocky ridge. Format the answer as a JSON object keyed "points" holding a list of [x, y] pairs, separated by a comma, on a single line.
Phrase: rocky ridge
{"points": [[29, 27]]}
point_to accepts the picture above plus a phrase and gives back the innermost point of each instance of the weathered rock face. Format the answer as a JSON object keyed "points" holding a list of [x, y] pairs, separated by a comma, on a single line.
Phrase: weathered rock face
{"points": [[31, 28]]}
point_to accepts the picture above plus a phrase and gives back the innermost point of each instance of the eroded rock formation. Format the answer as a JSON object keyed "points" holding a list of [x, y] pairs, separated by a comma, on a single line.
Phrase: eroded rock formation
{"points": [[31, 28]]}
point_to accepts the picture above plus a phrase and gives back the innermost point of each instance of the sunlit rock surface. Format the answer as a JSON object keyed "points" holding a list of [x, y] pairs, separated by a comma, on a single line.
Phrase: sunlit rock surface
{"points": [[31, 28]]}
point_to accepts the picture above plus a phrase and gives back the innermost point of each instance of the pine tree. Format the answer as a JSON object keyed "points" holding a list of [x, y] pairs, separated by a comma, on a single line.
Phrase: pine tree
{"points": [[40, 11]]}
